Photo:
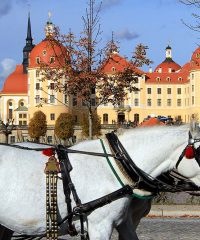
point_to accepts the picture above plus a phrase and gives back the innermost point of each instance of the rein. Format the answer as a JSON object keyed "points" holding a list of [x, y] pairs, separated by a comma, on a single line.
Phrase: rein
{"points": [[142, 179], [166, 182]]}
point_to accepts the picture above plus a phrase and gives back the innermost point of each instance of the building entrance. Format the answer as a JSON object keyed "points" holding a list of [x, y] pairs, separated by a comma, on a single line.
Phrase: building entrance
{"points": [[121, 118]]}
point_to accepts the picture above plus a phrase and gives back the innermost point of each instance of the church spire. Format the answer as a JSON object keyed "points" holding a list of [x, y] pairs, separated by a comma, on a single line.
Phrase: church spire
{"points": [[28, 47], [29, 35]]}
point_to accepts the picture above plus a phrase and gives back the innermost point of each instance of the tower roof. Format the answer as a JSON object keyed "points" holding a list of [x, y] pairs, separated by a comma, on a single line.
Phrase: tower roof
{"points": [[29, 35], [16, 82]]}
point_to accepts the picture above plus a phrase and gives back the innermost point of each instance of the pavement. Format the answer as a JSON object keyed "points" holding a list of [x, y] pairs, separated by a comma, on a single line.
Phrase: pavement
{"points": [[175, 211]]}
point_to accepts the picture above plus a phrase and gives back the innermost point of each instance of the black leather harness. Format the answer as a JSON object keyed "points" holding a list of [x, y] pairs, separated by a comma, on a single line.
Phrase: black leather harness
{"points": [[167, 182]]}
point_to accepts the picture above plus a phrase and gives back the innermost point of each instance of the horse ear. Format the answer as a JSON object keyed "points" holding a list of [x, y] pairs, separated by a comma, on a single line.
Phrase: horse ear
{"points": [[191, 140], [190, 135]]}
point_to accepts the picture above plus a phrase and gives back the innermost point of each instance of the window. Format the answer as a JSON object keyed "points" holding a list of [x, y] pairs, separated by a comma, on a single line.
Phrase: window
{"points": [[180, 79], [49, 139], [10, 113], [52, 59], [37, 98], [37, 60], [52, 86], [159, 102], [44, 52], [168, 79], [178, 102], [24, 115], [37, 73], [20, 123], [192, 88], [169, 91], [52, 99], [74, 101], [24, 122], [75, 118], [12, 139], [93, 91], [192, 100], [37, 86], [93, 101], [113, 69], [10, 104], [21, 104], [148, 90], [105, 118], [149, 102], [65, 99], [136, 101], [169, 102], [52, 116], [158, 90], [192, 76], [20, 115], [178, 90], [158, 79]]}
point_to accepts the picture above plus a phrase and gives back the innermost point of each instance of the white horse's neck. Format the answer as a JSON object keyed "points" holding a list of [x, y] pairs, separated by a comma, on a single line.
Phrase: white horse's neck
{"points": [[155, 150]]}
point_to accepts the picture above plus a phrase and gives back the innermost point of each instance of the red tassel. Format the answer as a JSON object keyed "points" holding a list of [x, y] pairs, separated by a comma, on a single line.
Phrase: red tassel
{"points": [[48, 152], [189, 152]]}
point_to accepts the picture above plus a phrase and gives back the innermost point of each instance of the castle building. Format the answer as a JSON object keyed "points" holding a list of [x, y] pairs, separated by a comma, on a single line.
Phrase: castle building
{"points": [[168, 90]]}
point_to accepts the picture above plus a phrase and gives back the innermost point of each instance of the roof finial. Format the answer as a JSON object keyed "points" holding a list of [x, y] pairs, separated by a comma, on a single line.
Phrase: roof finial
{"points": [[49, 28], [49, 15], [113, 46]]}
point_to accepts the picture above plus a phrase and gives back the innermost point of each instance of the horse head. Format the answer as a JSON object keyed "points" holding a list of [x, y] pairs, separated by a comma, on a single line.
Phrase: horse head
{"points": [[188, 163]]}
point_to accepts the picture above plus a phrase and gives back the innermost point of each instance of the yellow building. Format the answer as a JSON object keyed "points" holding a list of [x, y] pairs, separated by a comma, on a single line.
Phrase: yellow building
{"points": [[169, 90]]}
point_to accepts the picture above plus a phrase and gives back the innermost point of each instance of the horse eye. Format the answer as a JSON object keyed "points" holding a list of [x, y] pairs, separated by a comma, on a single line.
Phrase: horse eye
{"points": [[189, 152]]}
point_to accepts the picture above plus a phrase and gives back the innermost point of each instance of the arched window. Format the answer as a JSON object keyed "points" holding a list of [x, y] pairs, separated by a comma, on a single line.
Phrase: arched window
{"points": [[10, 109], [37, 60], [105, 118]]}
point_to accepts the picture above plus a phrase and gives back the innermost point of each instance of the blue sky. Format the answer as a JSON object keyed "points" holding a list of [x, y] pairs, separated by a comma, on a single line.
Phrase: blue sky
{"points": [[152, 22]]}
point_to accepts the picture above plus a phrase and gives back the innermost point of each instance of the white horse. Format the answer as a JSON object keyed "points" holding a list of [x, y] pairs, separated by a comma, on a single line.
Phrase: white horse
{"points": [[22, 181]]}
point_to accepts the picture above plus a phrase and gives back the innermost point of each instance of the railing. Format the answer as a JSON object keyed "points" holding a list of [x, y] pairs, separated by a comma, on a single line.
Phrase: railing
{"points": [[122, 108]]}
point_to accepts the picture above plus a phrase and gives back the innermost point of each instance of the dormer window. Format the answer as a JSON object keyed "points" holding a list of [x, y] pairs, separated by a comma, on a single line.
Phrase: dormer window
{"points": [[44, 52], [168, 79], [113, 69], [169, 70], [159, 70], [158, 79], [180, 79], [37, 60], [198, 55], [52, 59]]}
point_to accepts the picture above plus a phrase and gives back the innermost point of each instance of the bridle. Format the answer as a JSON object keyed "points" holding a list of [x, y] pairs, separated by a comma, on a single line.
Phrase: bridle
{"points": [[190, 151]]}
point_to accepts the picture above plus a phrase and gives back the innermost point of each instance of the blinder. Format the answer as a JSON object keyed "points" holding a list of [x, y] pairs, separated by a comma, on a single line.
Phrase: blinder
{"points": [[190, 151]]}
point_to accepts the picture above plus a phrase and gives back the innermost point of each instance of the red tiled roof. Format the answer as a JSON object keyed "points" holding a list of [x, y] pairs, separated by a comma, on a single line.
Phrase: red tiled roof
{"points": [[151, 122], [186, 68], [168, 78], [195, 59], [119, 64], [168, 64], [45, 50], [16, 82]]}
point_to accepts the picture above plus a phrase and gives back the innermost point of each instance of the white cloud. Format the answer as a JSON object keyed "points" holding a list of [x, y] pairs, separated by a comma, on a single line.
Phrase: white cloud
{"points": [[6, 5], [126, 34], [110, 3], [7, 66]]}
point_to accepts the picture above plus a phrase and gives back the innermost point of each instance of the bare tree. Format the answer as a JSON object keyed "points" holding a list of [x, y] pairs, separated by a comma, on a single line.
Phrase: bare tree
{"points": [[7, 128], [82, 66], [196, 25]]}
